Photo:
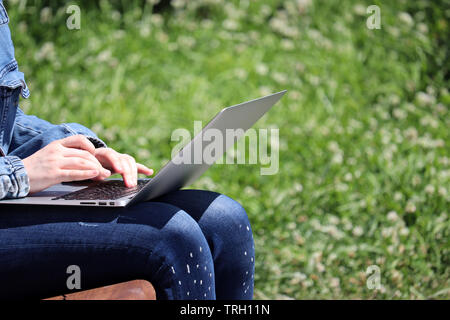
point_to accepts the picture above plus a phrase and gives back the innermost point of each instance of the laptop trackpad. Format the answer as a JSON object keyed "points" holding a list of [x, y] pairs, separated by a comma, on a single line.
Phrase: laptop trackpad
{"points": [[60, 189]]}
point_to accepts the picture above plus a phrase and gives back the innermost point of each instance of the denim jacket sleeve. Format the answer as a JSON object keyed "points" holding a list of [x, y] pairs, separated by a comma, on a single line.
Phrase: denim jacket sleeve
{"points": [[29, 135], [32, 134], [14, 181]]}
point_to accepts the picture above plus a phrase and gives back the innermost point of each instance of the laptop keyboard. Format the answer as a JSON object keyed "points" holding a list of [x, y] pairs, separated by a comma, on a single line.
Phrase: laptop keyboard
{"points": [[106, 190]]}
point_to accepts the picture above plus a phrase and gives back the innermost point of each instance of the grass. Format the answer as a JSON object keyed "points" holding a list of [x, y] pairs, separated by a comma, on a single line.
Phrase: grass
{"points": [[364, 156]]}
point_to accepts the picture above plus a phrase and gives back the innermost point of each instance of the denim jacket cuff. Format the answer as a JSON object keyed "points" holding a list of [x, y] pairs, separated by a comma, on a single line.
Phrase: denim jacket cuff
{"points": [[14, 182]]}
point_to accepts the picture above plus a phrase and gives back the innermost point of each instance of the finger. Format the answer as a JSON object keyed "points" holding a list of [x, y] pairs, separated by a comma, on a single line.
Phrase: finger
{"points": [[102, 176], [75, 155], [77, 175], [133, 167], [144, 170], [126, 174], [78, 164], [110, 159], [73, 163], [71, 152], [78, 141]]}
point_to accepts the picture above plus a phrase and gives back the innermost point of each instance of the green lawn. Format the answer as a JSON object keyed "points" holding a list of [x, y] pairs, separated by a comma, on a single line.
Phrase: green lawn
{"points": [[364, 174]]}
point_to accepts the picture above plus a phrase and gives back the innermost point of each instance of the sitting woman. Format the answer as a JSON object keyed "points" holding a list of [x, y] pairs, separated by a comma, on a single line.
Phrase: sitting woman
{"points": [[189, 244]]}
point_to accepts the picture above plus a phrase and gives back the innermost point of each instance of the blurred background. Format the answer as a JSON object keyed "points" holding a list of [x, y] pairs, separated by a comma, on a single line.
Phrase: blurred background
{"points": [[364, 155]]}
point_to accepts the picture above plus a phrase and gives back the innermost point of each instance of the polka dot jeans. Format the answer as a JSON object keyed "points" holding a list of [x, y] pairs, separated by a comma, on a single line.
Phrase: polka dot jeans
{"points": [[189, 244]]}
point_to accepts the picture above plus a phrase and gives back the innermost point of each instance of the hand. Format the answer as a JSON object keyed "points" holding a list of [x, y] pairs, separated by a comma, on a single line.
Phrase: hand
{"points": [[121, 163], [69, 159]]}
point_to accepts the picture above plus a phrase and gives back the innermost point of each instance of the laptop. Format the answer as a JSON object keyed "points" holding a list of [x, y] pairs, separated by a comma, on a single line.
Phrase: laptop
{"points": [[175, 175]]}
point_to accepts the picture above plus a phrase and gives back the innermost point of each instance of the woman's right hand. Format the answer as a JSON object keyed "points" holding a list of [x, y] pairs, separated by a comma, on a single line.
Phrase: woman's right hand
{"points": [[68, 159]]}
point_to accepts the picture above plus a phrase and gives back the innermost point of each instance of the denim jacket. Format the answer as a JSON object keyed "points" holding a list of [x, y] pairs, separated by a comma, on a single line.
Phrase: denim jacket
{"points": [[22, 135]]}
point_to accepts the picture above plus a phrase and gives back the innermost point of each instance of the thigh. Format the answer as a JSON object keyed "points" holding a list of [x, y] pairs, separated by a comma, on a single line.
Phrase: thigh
{"points": [[39, 243], [216, 214]]}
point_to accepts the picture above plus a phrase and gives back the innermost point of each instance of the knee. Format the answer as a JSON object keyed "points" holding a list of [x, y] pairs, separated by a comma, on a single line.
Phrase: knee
{"points": [[230, 210], [228, 215], [183, 237]]}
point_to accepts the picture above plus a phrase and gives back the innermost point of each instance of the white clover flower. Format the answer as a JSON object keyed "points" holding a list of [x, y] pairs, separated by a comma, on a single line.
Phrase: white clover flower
{"points": [[341, 187], [264, 91], [334, 282], [230, 24], [386, 232], [298, 277], [348, 225], [241, 74], [337, 158], [416, 180], [317, 256], [104, 56], [396, 275], [333, 146], [144, 30], [177, 4], [429, 121], [392, 216], [442, 191], [395, 32], [261, 69], [348, 177], [410, 207], [441, 108], [47, 51], [411, 133], [280, 77], [406, 18], [398, 196], [287, 44], [359, 9], [391, 249], [249, 190], [46, 14], [333, 219], [332, 256], [358, 231], [429, 189], [422, 27], [404, 231], [157, 20], [265, 10], [320, 267], [291, 225], [298, 187], [425, 99], [116, 15], [399, 113], [143, 154], [303, 4]]}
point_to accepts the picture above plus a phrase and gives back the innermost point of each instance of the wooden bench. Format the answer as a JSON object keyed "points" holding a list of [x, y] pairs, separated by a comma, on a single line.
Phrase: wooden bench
{"points": [[130, 290]]}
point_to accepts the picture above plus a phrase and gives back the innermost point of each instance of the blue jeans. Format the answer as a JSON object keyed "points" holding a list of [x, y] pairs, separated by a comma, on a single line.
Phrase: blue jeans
{"points": [[189, 244]]}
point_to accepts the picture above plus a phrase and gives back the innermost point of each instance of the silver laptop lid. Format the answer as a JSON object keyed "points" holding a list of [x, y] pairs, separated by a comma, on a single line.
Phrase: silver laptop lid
{"points": [[179, 173]]}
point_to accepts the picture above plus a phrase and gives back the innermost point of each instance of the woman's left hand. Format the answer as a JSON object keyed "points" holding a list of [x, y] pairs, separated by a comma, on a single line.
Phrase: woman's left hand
{"points": [[123, 164]]}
